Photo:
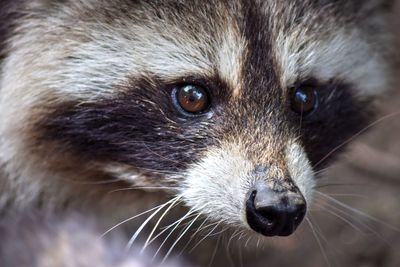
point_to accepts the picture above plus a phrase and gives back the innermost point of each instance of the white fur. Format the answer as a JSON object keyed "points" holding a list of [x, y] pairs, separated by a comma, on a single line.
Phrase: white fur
{"points": [[322, 47], [343, 56], [230, 58], [300, 170], [222, 180], [218, 184]]}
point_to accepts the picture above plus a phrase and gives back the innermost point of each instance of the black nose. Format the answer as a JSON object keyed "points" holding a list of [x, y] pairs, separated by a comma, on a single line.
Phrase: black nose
{"points": [[273, 213]]}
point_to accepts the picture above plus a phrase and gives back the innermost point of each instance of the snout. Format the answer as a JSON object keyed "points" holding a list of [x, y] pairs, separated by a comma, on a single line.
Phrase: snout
{"points": [[274, 212]]}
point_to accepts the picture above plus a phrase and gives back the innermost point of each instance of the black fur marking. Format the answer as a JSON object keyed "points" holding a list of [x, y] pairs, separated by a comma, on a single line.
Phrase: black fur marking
{"points": [[340, 115], [139, 127]]}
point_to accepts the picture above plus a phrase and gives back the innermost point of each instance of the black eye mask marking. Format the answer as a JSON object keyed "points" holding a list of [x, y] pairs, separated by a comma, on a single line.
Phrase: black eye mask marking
{"points": [[339, 115], [140, 127]]}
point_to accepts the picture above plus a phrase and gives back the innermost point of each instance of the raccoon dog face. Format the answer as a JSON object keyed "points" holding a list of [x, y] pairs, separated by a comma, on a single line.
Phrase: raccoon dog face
{"points": [[233, 103]]}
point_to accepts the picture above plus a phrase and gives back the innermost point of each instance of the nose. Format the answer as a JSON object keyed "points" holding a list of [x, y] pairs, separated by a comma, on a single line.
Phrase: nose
{"points": [[275, 213]]}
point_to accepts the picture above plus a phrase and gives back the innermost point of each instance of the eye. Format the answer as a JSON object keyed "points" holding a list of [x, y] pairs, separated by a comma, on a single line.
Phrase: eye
{"points": [[304, 100], [191, 98]]}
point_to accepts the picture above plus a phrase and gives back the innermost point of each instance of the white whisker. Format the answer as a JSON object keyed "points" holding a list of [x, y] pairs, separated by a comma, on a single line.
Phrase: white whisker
{"points": [[158, 223], [130, 219], [130, 243], [179, 238], [359, 221], [356, 211], [201, 240], [318, 241], [144, 188], [342, 218], [214, 252], [356, 135], [193, 235], [190, 212], [166, 228]]}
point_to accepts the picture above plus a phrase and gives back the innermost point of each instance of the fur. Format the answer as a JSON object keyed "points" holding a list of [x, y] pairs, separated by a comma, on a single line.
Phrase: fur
{"points": [[85, 100]]}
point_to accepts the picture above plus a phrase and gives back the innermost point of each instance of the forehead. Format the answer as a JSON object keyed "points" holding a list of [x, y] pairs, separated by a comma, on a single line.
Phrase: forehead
{"points": [[247, 44]]}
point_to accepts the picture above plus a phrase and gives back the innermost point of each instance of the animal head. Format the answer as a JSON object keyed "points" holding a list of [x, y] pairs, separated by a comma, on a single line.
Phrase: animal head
{"points": [[233, 104]]}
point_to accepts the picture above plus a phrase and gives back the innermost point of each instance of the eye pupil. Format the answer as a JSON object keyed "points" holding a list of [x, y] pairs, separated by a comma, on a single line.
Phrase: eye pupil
{"points": [[304, 100], [191, 98]]}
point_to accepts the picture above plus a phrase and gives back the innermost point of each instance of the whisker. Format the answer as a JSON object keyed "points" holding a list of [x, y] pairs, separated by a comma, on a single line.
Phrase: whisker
{"points": [[258, 243], [214, 252], [347, 195], [339, 185], [342, 218], [235, 234], [179, 238], [200, 227], [322, 171], [198, 243], [129, 219], [241, 235], [147, 170], [209, 225], [228, 252], [356, 211], [356, 135], [190, 212], [193, 235], [247, 242], [158, 223], [218, 233], [360, 222], [321, 235], [104, 182], [143, 188], [318, 241], [161, 156], [166, 228], [130, 243], [240, 256]]}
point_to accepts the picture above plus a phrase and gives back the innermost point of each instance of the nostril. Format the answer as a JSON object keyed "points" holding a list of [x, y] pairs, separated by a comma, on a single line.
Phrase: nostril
{"points": [[261, 218], [270, 212]]}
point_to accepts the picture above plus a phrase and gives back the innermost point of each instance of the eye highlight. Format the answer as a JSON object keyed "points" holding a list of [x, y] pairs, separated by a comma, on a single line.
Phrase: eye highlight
{"points": [[192, 99], [304, 100]]}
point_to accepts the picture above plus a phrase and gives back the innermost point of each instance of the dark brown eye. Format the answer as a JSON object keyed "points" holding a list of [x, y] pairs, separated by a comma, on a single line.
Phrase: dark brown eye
{"points": [[192, 98], [304, 100]]}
